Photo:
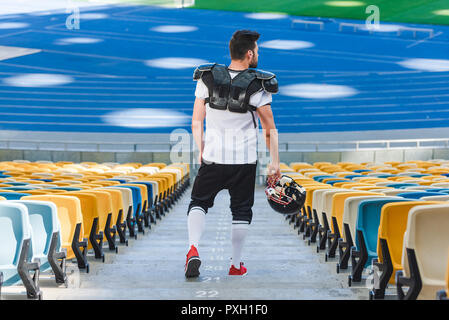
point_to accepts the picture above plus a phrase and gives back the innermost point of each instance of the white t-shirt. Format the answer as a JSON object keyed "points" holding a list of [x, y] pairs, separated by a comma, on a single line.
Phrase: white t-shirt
{"points": [[230, 137]]}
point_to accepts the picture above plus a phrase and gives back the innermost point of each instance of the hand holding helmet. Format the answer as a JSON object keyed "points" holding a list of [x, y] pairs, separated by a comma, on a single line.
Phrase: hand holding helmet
{"points": [[284, 195]]}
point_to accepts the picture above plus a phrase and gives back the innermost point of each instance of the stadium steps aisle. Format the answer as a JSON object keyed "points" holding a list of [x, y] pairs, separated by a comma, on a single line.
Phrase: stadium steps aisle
{"points": [[280, 264]]}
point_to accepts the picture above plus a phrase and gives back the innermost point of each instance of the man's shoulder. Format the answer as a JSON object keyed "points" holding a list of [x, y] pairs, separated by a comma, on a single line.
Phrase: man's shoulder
{"points": [[205, 68], [268, 80], [262, 74]]}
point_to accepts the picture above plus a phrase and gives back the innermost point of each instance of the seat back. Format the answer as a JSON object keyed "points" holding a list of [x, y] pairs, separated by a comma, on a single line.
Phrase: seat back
{"points": [[436, 198], [328, 202], [137, 199], [350, 212], [338, 204], [69, 215], [143, 193], [427, 234], [419, 195], [43, 217], [318, 201], [13, 195], [395, 192], [117, 202], [127, 200], [14, 230], [89, 210], [392, 226], [368, 220], [104, 206]]}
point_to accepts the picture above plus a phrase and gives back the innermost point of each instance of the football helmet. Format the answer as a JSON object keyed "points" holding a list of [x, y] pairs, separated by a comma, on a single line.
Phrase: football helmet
{"points": [[285, 195]]}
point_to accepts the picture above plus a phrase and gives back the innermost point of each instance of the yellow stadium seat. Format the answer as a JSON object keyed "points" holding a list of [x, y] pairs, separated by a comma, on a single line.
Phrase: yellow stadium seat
{"points": [[106, 213], [93, 221]]}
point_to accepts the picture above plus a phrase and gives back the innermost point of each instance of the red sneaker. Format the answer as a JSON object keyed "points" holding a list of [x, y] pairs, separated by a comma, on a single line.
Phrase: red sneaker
{"points": [[193, 263], [233, 271]]}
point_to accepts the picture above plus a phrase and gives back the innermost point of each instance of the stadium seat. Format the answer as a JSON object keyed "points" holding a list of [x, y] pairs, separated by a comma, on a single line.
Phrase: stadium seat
{"points": [[127, 212], [72, 229], [401, 185], [424, 253], [338, 205], [117, 211], [332, 238], [318, 208], [136, 218], [13, 195], [366, 233], [46, 244], [93, 222], [419, 195], [105, 210], [308, 222], [392, 226], [148, 210], [16, 249], [436, 198]]}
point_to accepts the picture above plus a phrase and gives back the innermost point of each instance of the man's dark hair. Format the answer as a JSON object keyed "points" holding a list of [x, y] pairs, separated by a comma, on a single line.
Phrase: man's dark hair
{"points": [[241, 42]]}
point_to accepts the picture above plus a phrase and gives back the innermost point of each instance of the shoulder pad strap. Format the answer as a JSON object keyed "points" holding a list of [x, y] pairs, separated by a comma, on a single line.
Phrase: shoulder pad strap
{"points": [[264, 75], [200, 69]]}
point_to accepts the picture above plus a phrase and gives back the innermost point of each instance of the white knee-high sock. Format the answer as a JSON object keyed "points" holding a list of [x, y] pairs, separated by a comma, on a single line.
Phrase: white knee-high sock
{"points": [[239, 231], [196, 221]]}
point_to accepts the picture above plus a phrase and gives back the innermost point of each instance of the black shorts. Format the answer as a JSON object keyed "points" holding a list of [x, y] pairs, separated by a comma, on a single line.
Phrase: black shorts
{"points": [[239, 179]]}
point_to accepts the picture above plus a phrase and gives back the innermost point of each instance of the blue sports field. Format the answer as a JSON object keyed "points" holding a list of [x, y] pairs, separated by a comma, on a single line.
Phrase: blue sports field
{"points": [[129, 69]]}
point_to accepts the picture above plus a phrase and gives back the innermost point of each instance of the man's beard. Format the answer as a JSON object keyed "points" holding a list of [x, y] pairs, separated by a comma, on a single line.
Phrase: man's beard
{"points": [[253, 64]]}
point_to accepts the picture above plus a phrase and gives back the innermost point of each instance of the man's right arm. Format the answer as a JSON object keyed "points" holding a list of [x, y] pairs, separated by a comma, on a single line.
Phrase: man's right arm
{"points": [[271, 138], [199, 113]]}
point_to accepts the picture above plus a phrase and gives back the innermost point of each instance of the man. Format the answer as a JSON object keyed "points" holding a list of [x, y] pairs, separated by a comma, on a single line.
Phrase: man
{"points": [[231, 99]]}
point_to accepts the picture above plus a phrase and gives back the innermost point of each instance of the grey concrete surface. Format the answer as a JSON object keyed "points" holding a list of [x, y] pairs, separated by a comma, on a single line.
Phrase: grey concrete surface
{"points": [[280, 263]]}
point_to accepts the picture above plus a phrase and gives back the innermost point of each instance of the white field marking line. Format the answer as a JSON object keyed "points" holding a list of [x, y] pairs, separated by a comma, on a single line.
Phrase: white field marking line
{"points": [[63, 115], [15, 33], [376, 105], [330, 123], [424, 40], [96, 101], [96, 124], [367, 113], [67, 72], [104, 88], [74, 109], [100, 94], [300, 100], [392, 79]]}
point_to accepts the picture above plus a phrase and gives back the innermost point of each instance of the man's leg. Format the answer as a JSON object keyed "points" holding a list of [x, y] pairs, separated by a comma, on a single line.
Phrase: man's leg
{"points": [[205, 188], [241, 190]]}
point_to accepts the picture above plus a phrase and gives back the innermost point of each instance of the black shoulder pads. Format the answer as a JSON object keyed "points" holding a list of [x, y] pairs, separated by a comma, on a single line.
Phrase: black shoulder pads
{"points": [[264, 75], [200, 69]]}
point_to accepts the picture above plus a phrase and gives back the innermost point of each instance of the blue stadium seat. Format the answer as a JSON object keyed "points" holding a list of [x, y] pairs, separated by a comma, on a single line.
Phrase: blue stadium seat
{"points": [[13, 195], [335, 181], [46, 244], [362, 170], [19, 188], [418, 195], [66, 188], [149, 210], [137, 218], [16, 249], [322, 177], [354, 176], [116, 179], [14, 183], [398, 185], [368, 220], [439, 190]]}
